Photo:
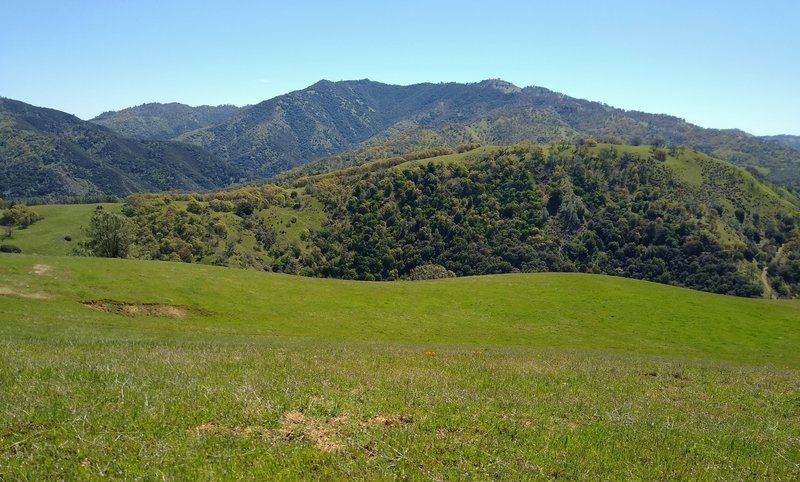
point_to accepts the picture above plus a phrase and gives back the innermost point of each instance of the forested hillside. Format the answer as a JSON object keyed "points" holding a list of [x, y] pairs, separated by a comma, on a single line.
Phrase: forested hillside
{"points": [[44, 152], [327, 126], [642, 213], [380, 120], [786, 140], [672, 216], [157, 121]]}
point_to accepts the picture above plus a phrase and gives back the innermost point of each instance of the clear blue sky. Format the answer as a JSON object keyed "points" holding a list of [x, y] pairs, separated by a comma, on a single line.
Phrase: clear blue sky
{"points": [[714, 63]]}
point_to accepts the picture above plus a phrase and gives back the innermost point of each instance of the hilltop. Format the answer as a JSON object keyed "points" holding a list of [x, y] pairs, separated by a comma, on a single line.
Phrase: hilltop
{"points": [[157, 121], [46, 152]]}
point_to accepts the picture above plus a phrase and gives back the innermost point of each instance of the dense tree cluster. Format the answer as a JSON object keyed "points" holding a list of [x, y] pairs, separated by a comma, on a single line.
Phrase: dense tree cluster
{"points": [[521, 209], [598, 209], [19, 216]]}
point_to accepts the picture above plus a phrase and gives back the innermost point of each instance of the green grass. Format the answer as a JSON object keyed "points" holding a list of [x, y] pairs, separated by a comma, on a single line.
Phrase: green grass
{"points": [[292, 223], [535, 376], [60, 220]]}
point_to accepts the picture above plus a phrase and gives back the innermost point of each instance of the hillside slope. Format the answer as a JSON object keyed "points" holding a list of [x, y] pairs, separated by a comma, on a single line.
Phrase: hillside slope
{"points": [[677, 217], [157, 121], [591, 312], [143, 370], [45, 152], [330, 117], [786, 140], [382, 120]]}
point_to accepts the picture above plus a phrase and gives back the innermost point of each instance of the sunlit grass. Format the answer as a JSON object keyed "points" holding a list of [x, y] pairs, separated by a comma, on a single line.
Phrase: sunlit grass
{"points": [[278, 377]]}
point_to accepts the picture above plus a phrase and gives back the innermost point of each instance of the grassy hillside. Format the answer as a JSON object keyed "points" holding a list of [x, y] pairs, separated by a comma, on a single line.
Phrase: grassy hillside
{"points": [[60, 221], [205, 373]]}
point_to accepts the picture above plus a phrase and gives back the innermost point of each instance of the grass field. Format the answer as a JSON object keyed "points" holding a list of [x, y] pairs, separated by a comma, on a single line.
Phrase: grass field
{"points": [[200, 372], [60, 220]]}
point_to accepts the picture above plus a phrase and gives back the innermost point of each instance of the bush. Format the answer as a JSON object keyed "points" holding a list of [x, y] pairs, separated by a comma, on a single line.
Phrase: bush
{"points": [[9, 248], [19, 215], [430, 271]]}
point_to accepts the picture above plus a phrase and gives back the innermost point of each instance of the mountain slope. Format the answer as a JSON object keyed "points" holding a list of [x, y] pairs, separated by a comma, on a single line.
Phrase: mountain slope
{"points": [[331, 117], [156, 121], [538, 115], [46, 152], [785, 140]]}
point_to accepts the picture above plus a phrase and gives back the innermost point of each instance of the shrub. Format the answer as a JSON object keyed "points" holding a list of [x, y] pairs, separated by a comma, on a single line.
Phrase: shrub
{"points": [[9, 248], [430, 271]]}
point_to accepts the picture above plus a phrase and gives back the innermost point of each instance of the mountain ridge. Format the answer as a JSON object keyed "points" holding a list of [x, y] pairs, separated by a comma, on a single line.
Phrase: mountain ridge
{"points": [[46, 152], [330, 118], [163, 121]]}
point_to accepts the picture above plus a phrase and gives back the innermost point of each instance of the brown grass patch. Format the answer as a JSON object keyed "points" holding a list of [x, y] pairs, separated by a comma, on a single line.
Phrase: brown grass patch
{"points": [[9, 291], [212, 428], [137, 309], [324, 434], [390, 420], [41, 269]]}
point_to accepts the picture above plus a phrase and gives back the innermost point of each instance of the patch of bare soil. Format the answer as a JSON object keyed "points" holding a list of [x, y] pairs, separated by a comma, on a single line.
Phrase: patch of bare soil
{"points": [[390, 420], [137, 309], [324, 434], [9, 291], [41, 269]]}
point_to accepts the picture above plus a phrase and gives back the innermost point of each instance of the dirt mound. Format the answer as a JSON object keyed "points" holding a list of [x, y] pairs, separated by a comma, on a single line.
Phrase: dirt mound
{"points": [[137, 309]]}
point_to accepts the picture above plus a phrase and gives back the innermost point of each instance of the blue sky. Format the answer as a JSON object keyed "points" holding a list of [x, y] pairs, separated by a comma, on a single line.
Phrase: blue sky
{"points": [[714, 63]]}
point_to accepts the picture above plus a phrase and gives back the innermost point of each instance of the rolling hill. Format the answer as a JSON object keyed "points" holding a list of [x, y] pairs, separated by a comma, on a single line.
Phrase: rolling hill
{"points": [[157, 121], [672, 216], [45, 152], [133, 369]]}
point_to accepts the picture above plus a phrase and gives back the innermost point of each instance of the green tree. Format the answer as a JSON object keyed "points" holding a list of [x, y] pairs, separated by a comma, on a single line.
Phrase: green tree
{"points": [[19, 215], [110, 235]]}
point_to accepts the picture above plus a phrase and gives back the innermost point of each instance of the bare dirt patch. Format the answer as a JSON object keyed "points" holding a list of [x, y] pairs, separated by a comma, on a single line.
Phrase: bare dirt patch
{"points": [[41, 269], [324, 434], [9, 291], [137, 309], [390, 420]]}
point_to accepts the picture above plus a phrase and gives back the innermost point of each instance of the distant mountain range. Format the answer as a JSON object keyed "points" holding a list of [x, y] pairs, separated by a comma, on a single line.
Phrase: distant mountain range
{"points": [[786, 140], [329, 118], [330, 125], [163, 121], [45, 152]]}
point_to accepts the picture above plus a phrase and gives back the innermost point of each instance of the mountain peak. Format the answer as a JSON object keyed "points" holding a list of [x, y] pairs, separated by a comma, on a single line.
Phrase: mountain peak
{"points": [[501, 85]]}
